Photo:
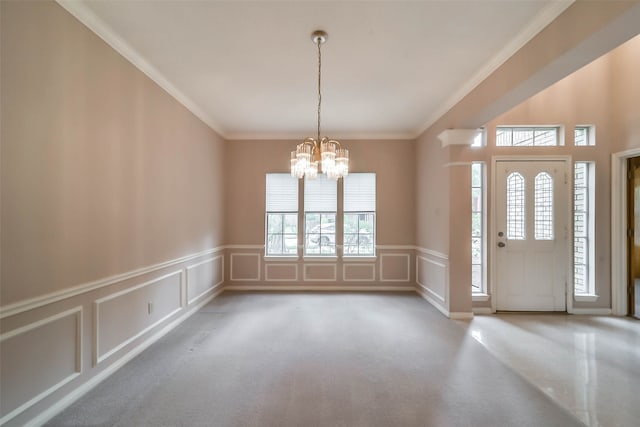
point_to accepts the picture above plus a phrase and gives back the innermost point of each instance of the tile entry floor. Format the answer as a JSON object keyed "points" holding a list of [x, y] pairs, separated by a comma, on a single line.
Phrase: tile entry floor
{"points": [[588, 364]]}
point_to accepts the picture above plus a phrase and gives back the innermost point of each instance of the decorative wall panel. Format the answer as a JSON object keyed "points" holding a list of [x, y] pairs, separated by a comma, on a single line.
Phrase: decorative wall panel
{"points": [[39, 358], [359, 272], [281, 272], [203, 277], [395, 268], [245, 267], [124, 316]]}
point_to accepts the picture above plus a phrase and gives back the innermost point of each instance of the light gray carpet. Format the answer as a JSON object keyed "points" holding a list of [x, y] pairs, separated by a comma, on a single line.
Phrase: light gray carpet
{"points": [[316, 359]]}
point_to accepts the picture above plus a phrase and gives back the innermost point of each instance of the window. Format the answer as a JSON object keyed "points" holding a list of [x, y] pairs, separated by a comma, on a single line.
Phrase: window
{"points": [[515, 207], [583, 136], [282, 215], [359, 214], [320, 206], [478, 140], [477, 229], [543, 209], [527, 136], [583, 228]]}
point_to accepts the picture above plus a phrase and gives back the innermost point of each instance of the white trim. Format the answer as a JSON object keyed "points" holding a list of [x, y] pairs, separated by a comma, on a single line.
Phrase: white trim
{"points": [[480, 297], [266, 272], [341, 136], [261, 247], [382, 279], [461, 315], [456, 164], [359, 259], [83, 389], [332, 288], [441, 298], [482, 310], [314, 258], [433, 253], [78, 354], [344, 272], [244, 279], [592, 311], [36, 302], [458, 136], [272, 258], [188, 268], [433, 300], [618, 230], [585, 298], [81, 12], [97, 357], [544, 18], [395, 247], [304, 273], [491, 239]]}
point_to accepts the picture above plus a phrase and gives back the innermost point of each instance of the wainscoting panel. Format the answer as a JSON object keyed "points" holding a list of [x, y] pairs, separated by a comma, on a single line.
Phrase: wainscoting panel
{"points": [[432, 278], [122, 317], [38, 359], [204, 276], [320, 272], [391, 269], [281, 272], [359, 272], [395, 268], [245, 267]]}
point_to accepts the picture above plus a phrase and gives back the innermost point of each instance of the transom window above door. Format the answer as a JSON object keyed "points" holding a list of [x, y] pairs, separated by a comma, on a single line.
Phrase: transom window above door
{"points": [[528, 136]]}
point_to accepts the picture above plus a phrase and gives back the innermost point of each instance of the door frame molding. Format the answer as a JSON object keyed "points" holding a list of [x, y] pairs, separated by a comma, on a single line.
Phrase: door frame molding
{"points": [[491, 241], [618, 234]]}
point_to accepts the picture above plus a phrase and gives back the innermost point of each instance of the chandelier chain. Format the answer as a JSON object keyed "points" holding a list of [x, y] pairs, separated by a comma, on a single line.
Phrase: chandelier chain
{"points": [[319, 84]]}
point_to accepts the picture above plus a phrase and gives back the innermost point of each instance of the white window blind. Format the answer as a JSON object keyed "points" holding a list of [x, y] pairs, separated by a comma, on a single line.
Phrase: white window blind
{"points": [[360, 192], [282, 193], [320, 195]]}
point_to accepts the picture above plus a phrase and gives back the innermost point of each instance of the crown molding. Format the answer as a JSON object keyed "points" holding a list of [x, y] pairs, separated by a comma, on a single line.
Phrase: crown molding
{"points": [[87, 17], [544, 18]]}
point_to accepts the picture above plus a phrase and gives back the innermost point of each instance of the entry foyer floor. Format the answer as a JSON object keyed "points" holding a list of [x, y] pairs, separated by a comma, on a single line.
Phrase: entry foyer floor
{"points": [[589, 365]]}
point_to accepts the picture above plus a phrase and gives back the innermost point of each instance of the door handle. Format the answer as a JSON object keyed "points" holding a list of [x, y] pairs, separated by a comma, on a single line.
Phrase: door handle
{"points": [[501, 244]]}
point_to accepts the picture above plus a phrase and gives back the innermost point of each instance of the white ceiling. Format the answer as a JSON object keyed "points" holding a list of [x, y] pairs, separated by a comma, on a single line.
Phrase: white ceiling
{"points": [[249, 68]]}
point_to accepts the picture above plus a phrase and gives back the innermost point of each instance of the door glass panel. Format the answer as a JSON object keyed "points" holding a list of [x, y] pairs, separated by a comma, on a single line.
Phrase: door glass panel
{"points": [[543, 213], [515, 207]]}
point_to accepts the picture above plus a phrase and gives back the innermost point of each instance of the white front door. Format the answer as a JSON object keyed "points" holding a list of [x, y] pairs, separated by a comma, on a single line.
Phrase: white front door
{"points": [[531, 235]]}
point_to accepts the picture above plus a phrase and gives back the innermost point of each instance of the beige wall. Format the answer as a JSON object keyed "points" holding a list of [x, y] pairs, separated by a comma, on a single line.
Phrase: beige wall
{"points": [[112, 209], [102, 171], [392, 161], [393, 267]]}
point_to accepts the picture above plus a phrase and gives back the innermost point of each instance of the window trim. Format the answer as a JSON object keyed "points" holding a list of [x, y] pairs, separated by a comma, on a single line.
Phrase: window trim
{"points": [[267, 212], [591, 135], [558, 130]]}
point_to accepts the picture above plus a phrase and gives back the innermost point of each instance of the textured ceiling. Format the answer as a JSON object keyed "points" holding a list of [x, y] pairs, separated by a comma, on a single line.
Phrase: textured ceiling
{"points": [[248, 69]]}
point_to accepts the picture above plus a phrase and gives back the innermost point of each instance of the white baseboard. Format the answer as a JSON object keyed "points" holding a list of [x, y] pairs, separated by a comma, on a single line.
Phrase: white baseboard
{"points": [[593, 311], [422, 291], [76, 394], [461, 315], [320, 288], [482, 310]]}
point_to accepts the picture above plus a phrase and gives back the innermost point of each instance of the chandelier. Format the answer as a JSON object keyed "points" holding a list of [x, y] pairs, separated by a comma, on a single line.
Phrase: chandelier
{"points": [[313, 151]]}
